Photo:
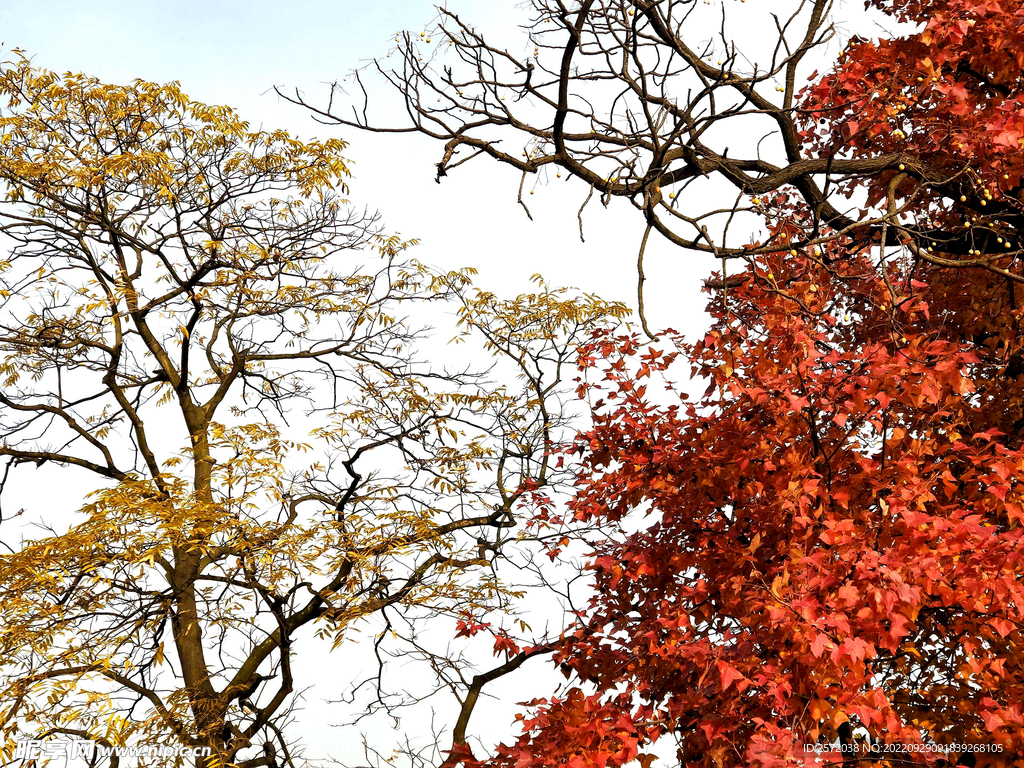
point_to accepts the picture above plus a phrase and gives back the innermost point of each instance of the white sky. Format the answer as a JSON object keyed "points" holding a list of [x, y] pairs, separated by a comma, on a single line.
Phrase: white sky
{"points": [[233, 52]]}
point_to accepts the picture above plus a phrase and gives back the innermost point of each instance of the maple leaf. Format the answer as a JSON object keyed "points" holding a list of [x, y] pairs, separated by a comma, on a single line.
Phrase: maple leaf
{"points": [[729, 674], [820, 643], [1002, 626]]}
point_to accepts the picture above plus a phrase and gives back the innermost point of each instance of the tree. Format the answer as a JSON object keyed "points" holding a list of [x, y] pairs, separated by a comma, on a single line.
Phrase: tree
{"points": [[185, 323], [641, 101], [827, 544]]}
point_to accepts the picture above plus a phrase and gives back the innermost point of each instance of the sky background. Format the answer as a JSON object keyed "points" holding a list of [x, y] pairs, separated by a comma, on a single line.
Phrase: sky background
{"points": [[235, 52]]}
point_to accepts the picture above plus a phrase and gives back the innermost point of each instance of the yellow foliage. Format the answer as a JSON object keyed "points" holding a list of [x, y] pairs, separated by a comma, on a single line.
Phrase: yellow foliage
{"points": [[168, 255]]}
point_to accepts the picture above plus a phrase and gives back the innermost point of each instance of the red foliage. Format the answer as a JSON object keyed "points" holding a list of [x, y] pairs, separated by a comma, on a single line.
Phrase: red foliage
{"points": [[831, 534], [948, 96]]}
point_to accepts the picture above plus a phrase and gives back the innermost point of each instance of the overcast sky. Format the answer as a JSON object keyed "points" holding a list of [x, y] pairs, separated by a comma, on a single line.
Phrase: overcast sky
{"points": [[234, 52]]}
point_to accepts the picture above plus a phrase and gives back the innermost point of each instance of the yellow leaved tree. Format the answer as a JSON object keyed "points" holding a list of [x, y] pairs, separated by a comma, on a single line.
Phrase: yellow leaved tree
{"points": [[192, 315]]}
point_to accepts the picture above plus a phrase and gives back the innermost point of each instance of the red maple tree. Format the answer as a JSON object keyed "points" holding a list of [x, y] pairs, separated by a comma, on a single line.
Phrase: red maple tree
{"points": [[827, 544]]}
